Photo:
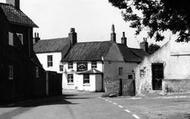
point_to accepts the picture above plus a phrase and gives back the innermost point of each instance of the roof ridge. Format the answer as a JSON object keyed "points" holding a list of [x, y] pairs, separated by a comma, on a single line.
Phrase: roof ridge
{"points": [[93, 42], [54, 39]]}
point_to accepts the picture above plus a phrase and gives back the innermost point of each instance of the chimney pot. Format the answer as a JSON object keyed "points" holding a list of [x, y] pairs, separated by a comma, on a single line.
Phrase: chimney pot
{"points": [[113, 34], [124, 39], [73, 36]]}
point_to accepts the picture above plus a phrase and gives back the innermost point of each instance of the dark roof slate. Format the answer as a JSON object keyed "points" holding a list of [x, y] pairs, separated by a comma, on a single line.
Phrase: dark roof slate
{"points": [[52, 45], [88, 51], [16, 16]]}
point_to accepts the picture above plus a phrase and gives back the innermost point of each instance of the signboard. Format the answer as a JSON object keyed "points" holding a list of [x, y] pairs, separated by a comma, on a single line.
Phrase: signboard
{"points": [[82, 66]]}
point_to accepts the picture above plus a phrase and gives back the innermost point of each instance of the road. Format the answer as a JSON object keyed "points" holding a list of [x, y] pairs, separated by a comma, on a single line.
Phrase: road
{"points": [[73, 105]]}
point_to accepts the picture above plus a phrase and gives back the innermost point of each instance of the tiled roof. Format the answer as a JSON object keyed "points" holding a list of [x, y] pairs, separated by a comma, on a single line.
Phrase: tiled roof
{"points": [[94, 51], [16, 16], [88, 51], [52, 45]]}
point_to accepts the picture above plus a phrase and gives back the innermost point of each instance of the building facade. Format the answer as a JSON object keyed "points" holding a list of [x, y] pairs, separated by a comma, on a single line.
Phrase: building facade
{"points": [[21, 74], [87, 64], [165, 71]]}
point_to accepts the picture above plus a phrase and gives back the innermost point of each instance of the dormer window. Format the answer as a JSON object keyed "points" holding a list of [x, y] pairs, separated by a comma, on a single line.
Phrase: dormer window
{"points": [[70, 65], [94, 65]]}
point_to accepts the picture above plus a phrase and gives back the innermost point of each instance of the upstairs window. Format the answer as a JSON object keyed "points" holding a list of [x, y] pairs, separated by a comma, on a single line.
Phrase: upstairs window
{"points": [[70, 78], [86, 79], [70, 65], [10, 38], [94, 65], [11, 72], [130, 76], [60, 67], [120, 71], [20, 37], [49, 60], [37, 72]]}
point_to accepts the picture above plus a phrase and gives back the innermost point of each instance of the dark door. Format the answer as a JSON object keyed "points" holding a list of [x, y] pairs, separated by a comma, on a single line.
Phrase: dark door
{"points": [[157, 76]]}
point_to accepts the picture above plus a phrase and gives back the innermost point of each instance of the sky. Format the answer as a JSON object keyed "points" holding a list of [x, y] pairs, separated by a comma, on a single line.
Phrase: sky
{"points": [[92, 19]]}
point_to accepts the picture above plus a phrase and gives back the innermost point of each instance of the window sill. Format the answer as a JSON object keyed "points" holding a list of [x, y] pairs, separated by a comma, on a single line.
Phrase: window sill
{"points": [[70, 83], [86, 84]]}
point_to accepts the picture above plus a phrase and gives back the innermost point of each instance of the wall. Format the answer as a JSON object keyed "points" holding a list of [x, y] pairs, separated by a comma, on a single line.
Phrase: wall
{"points": [[176, 69], [56, 61]]}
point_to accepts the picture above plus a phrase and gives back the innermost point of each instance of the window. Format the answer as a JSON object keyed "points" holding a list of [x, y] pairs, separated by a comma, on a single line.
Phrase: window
{"points": [[70, 78], [120, 70], [20, 36], [49, 60], [86, 79], [60, 67], [130, 76], [70, 65], [11, 42], [37, 72], [94, 65], [11, 72]]}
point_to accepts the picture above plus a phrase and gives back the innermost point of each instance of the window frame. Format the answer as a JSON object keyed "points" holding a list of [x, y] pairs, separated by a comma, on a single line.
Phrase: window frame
{"points": [[11, 72], [86, 77], [93, 64], [120, 71], [70, 79], [70, 65], [20, 38], [11, 38], [49, 60], [61, 67]]}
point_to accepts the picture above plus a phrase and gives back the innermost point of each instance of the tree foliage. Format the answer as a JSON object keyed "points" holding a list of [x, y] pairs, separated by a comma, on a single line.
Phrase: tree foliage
{"points": [[157, 16]]}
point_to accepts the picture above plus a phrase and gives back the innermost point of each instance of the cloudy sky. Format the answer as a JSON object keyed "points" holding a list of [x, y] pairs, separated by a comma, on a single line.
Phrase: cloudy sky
{"points": [[92, 19]]}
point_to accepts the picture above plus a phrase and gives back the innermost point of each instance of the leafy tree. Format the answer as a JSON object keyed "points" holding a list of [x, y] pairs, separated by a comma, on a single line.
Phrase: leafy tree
{"points": [[153, 48], [157, 16]]}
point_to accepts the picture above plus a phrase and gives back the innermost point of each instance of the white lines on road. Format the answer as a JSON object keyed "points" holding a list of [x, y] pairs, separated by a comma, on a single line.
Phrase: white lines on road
{"points": [[127, 110], [120, 106], [134, 115]]}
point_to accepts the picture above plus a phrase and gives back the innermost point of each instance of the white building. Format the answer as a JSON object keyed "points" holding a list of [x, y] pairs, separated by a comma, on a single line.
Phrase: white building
{"points": [[50, 52], [165, 71], [87, 64]]}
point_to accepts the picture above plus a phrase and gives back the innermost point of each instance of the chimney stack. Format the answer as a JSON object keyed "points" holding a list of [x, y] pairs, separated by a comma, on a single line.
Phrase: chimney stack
{"points": [[144, 45], [36, 38], [124, 39], [73, 36], [15, 3], [113, 34]]}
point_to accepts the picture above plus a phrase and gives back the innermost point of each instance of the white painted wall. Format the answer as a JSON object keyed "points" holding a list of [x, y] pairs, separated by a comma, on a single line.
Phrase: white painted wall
{"points": [[78, 78], [56, 61]]}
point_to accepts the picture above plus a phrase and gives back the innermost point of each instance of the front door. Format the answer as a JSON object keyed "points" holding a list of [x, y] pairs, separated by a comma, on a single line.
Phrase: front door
{"points": [[157, 76]]}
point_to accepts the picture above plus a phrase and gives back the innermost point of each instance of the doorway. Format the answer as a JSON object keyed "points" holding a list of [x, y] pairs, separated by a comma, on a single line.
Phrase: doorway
{"points": [[157, 76]]}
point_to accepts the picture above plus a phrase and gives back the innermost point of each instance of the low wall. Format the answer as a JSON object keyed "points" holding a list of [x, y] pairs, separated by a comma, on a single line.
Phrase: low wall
{"points": [[176, 85]]}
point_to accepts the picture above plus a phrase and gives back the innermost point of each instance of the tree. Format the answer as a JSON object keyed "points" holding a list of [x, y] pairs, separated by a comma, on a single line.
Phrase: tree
{"points": [[157, 16], [153, 48]]}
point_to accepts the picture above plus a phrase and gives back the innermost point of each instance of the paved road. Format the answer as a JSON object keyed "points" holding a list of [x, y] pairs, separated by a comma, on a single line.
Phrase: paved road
{"points": [[78, 105]]}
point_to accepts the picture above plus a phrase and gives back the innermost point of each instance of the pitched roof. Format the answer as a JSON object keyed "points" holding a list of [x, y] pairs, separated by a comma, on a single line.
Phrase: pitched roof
{"points": [[93, 51], [52, 45], [91, 71], [16, 16], [88, 51]]}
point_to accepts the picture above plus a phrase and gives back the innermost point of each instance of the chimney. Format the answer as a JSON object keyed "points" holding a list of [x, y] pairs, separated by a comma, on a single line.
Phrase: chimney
{"points": [[36, 38], [144, 45], [15, 3], [113, 34], [124, 39], [73, 36]]}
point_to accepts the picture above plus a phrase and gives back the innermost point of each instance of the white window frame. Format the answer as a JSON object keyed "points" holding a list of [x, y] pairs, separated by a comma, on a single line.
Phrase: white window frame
{"points": [[93, 64], [49, 61], [86, 77], [70, 78], [70, 65], [11, 72]]}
